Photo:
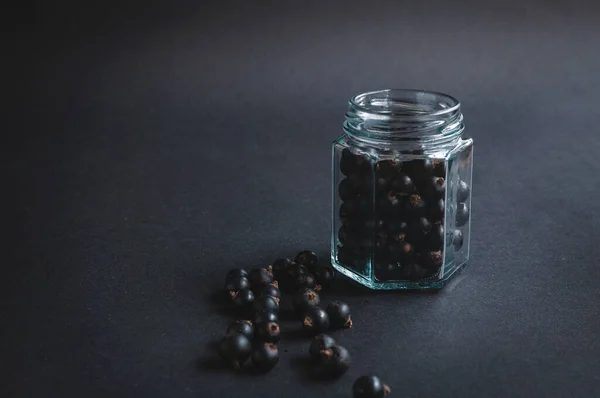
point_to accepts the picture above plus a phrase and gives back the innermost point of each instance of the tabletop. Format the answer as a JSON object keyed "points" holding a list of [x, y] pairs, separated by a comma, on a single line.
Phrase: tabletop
{"points": [[155, 147]]}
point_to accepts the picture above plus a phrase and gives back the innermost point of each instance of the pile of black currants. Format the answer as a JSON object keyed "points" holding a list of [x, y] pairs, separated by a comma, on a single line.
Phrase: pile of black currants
{"points": [[394, 212], [257, 295]]}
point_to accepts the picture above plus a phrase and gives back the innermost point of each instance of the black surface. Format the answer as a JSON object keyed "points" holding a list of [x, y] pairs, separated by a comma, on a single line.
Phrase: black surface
{"points": [[159, 146]]}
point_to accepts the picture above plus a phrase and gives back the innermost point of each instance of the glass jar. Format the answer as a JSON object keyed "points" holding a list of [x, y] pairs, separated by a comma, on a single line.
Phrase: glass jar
{"points": [[401, 190]]}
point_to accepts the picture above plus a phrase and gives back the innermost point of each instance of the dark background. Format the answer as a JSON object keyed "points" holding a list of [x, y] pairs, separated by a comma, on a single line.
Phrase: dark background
{"points": [[155, 146]]}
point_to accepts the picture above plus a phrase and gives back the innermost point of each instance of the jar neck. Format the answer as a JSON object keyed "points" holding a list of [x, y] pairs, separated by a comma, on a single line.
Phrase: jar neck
{"points": [[408, 119]]}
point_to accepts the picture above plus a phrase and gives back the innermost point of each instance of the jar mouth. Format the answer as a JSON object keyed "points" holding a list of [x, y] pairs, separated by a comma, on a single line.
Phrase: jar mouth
{"points": [[407, 117], [405, 103]]}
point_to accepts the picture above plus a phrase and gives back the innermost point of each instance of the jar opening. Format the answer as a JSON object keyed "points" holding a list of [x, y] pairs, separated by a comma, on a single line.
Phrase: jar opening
{"points": [[404, 115]]}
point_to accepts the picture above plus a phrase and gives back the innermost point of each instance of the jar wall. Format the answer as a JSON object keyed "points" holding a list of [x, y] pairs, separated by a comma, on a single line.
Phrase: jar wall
{"points": [[400, 220]]}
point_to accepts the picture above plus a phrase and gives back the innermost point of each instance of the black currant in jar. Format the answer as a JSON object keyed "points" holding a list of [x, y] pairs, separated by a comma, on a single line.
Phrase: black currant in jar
{"points": [[402, 190]]}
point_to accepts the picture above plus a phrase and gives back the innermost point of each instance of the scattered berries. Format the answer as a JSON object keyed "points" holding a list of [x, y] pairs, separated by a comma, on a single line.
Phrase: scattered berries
{"points": [[235, 349], [339, 315], [243, 327], [305, 300], [369, 387], [334, 361], [265, 356], [316, 321]]}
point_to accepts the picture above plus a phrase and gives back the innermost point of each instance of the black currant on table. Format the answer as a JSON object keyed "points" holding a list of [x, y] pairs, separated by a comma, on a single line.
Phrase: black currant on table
{"points": [[235, 274], [307, 281], [339, 315], [325, 275], [306, 299], [369, 387], [264, 317], [265, 356], [307, 258], [235, 349], [334, 361], [319, 343], [462, 214], [297, 269], [280, 267], [269, 291], [259, 277], [268, 332], [242, 299], [244, 327], [315, 321], [266, 303], [237, 283]]}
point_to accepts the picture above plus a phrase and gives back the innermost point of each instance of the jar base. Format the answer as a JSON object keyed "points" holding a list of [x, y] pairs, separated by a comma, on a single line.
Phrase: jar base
{"points": [[424, 284]]}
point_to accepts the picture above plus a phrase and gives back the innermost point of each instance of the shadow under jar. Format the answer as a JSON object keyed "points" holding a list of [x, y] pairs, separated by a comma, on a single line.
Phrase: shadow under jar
{"points": [[401, 190]]}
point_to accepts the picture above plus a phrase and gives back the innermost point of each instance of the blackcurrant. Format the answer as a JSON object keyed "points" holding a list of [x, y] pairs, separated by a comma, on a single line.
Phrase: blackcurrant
{"points": [[335, 361], [270, 291], [462, 191], [306, 281], [432, 260], [388, 168], [265, 356], [354, 162], [264, 317], [268, 332], [237, 283], [414, 206], [324, 275], [401, 252], [436, 210], [457, 239], [259, 277], [243, 299], [418, 231], [280, 267], [436, 237], [308, 259], [369, 387], [319, 343], [244, 327], [235, 349], [386, 270], [297, 269], [315, 321], [235, 274], [390, 205], [402, 184], [266, 303], [437, 187], [353, 186], [306, 299], [339, 315], [462, 214]]}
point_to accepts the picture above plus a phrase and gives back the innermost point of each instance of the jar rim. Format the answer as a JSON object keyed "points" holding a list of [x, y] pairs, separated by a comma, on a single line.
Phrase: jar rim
{"points": [[425, 103]]}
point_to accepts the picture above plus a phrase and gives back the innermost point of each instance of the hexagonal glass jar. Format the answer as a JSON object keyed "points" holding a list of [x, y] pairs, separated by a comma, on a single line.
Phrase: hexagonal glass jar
{"points": [[401, 190]]}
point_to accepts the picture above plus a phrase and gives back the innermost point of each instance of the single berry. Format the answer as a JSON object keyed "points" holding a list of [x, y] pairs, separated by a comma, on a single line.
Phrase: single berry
{"points": [[306, 299], [339, 315], [436, 237], [369, 387], [316, 321], [237, 283], [264, 317], [462, 214], [390, 205], [415, 206], [418, 231], [259, 277], [268, 332], [432, 260], [437, 210], [462, 191], [280, 267], [297, 269], [235, 274], [266, 303], [437, 167], [270, 291], [437, 187], [388, 168], [265, 356], [325, 275], [235, 349], [398, 231], [306, 281], [242, 299], [457, 239], [402, 184], [319, 343], [244, 327], [335, 361], [401, 252], [308, 259]]}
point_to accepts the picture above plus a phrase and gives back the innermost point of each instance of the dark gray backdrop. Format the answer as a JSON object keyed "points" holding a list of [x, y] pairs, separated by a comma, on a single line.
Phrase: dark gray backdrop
{"points": [[158, 145]]}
